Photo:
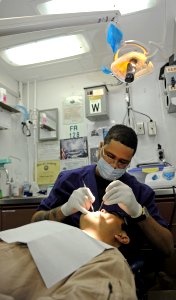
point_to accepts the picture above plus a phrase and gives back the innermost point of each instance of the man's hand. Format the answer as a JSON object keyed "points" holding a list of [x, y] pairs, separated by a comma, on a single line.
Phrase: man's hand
{"points": [[119, 193], [80, 200]]}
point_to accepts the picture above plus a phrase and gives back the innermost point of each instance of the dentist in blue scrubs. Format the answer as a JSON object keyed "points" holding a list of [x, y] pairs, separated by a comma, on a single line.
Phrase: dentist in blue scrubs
{"points": [[108, 185]]}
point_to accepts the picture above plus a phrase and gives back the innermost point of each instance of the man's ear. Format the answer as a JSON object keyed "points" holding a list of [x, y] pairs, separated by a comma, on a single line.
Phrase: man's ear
{"points": [[122, 237]]}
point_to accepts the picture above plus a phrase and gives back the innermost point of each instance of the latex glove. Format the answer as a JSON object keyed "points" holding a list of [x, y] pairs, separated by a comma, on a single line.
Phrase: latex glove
{"points": [[80, 200], [119, 193]]}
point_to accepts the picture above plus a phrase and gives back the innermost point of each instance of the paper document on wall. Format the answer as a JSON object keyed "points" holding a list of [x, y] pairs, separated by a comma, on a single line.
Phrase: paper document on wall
{"points": [[73, 110], [49, 244], [47, 171]]}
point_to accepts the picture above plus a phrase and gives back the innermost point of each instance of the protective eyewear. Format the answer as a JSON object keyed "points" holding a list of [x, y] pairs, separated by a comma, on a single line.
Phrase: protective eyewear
{"points": [[109, 157]]}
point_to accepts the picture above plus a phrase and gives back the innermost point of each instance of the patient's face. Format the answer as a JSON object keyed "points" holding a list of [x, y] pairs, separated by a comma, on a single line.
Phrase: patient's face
{"points": [[104, 226], [102, 218]]}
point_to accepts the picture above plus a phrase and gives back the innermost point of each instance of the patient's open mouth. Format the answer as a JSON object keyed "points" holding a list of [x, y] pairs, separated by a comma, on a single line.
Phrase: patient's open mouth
{"points": [[95, 213]]}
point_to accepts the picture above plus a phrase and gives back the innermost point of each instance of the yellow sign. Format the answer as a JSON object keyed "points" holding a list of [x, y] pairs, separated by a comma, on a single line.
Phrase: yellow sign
{"points": [[150, 170], [47, 171], [97, 97]]}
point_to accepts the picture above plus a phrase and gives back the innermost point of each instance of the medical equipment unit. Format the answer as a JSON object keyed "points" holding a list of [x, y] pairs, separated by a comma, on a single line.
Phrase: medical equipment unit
{"points": [[170, 81], [162, 179], [168, 75]]}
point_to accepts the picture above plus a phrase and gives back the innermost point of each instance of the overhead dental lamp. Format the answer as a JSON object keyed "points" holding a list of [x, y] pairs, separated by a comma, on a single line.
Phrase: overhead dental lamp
{"points": [[131, 58], [132, 64]]}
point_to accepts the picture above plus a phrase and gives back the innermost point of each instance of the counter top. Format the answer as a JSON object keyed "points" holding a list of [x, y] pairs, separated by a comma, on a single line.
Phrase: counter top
{"points": [[21, 200], [37, 199], [165, 191]]}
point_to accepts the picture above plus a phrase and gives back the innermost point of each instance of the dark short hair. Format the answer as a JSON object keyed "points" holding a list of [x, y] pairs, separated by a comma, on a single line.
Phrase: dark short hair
{"points": [[123, 134], [124, 226]]}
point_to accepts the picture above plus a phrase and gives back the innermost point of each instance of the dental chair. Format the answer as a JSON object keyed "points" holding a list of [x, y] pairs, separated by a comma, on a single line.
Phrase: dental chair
{"points": [[159, 282], [136, 268]]}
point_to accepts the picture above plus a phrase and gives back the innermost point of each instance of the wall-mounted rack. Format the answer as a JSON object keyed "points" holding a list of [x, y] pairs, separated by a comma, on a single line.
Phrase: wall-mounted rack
{"points": [[8, 108], [5, 110], [44, 126]]}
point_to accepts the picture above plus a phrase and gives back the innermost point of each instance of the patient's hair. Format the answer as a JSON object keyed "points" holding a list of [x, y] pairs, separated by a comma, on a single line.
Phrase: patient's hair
{"points": [[124, 226], [123, 134]]}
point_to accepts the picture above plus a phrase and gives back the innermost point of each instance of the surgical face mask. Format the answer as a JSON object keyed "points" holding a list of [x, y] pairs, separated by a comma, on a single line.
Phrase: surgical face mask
{"points": [[108, 172]]}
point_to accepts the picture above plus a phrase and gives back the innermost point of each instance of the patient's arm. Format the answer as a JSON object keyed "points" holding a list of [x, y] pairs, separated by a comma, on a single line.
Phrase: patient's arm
{"points": [[54, 214], [6, 297]]}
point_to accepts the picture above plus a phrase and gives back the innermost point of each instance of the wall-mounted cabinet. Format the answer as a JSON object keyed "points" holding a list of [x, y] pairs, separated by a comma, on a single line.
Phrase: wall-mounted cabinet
{"points": [[96, 103]]}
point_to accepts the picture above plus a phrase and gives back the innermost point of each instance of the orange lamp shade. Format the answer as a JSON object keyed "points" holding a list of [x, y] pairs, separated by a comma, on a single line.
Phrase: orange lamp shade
{"points": [[139, 61]]}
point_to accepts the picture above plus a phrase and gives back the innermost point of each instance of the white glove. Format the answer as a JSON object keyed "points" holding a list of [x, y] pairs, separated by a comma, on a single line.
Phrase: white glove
{"points": [[80, 200], [119, 193]]}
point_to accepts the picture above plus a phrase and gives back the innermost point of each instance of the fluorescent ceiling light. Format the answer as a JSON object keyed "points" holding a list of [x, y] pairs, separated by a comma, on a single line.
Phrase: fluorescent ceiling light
{"points": [[45, 50], [71, 6]]}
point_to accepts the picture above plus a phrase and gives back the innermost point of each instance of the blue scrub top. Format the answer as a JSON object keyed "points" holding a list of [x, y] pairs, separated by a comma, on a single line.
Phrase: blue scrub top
{"points": [[70, 180]]}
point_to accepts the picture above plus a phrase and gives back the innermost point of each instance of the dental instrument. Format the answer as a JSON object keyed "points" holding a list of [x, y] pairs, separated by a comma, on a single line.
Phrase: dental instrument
{"points": [[101, 206], [91, 204]]}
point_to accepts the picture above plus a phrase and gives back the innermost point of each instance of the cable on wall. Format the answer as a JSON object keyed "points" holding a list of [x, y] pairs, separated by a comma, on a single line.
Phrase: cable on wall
{"points": [[129, 115]]}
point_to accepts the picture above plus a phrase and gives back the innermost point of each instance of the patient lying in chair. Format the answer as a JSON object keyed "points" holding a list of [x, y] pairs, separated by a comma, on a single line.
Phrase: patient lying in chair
{"points": [[106, 276]]}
